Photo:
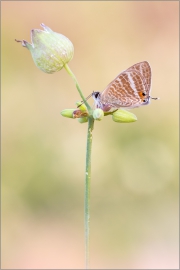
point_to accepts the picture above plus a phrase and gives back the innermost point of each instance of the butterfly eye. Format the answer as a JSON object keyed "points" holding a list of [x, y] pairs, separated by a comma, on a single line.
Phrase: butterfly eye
{"points": [[96, 94]]}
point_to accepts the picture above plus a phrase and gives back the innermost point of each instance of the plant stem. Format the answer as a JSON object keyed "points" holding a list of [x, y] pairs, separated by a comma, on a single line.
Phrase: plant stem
{"points": [[78, 88], [88, 167], [87, 188]]}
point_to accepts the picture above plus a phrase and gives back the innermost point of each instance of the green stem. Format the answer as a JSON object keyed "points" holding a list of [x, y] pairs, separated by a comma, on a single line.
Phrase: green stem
{"points": [[78, 88], [88, 167], [87, 188]]}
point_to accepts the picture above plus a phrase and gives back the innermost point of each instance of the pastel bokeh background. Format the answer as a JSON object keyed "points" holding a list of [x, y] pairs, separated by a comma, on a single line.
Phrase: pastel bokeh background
{"points": [[134, 188]]}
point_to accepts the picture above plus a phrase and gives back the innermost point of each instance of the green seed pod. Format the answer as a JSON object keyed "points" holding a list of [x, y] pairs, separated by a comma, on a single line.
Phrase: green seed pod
{"points": [[82, 120], [50, 50], [67, 113], [98, 114], [123, 116]]}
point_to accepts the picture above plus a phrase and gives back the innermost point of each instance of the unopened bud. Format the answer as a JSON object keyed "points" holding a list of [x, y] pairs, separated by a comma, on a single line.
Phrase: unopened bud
{"points": [[50, 50], [79, 114], [98, 114], [67, 113], [123, 116], [81, 106], [82, 120]]}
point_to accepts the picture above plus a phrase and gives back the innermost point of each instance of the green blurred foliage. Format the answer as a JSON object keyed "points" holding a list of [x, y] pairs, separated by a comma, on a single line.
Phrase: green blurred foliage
{"points": [[134, 188]]}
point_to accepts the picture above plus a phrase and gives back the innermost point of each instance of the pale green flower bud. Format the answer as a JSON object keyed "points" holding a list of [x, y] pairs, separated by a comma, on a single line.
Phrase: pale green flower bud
{"points": [[82, 120], [81, 106], [67, 113], [50, 50], [123, 116], [98, 114]]}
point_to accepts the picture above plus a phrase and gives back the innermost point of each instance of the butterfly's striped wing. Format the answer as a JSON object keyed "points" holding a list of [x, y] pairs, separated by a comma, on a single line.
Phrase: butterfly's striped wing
{"points": [[145, 70], [130, 88]]}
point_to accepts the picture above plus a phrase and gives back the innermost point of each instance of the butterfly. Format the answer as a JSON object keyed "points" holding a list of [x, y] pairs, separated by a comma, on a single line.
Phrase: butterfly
{"points": [[130, 89]]}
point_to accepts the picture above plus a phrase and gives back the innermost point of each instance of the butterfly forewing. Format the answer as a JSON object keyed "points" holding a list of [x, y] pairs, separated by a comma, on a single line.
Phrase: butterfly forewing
{"points": [[130, 88], [145, 70]]}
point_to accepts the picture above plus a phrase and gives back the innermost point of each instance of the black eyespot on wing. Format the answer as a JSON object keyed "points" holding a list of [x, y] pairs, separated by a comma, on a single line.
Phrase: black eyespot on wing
{"points": [[143, 94]]}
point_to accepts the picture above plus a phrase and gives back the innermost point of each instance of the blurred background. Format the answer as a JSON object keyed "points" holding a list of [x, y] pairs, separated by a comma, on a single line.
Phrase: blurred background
{"points": [[134, 187]]}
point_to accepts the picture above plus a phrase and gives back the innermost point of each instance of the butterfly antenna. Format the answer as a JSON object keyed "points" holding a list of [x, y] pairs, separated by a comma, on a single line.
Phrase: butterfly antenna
{"points": [[82, 102]]}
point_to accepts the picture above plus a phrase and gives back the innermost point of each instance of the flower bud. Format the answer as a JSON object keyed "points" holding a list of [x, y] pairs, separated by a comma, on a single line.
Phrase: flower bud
{"points": [[50, 50], [82, 120], [79, 114], [98, 114], [67, 113], [81, 106], [123, 116]]}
